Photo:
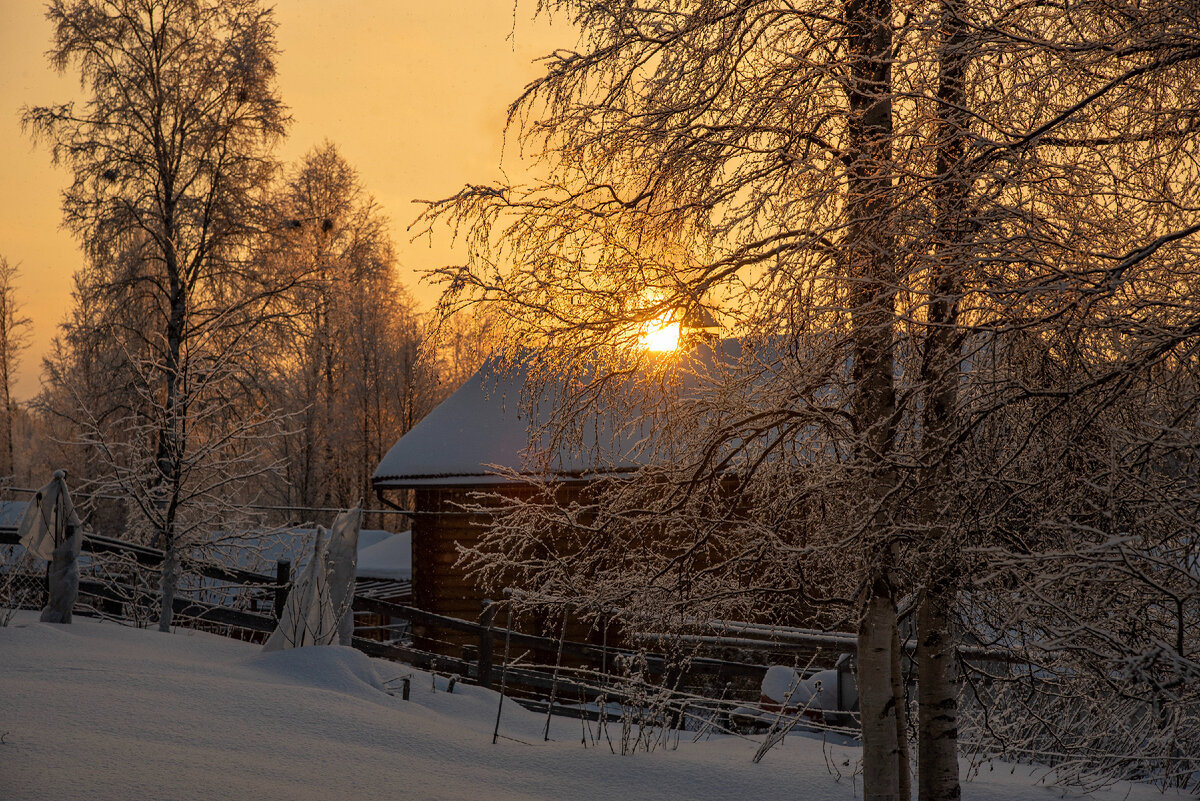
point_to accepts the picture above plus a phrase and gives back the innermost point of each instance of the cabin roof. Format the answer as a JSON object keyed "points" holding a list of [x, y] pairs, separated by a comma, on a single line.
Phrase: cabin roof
{"points": [[483, 427]]}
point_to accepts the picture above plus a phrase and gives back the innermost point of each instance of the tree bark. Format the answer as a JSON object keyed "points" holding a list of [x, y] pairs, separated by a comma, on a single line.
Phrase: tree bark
{"points": [[938, 716], [869, 266], [171, 439], [900, 693], [876, 701], [168, 584], [938, 701], [6, 351]]}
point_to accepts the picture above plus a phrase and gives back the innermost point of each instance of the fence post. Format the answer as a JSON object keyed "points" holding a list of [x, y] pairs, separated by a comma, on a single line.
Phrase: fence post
{"points": [[846, 673], [485, 645], [283, 577]]}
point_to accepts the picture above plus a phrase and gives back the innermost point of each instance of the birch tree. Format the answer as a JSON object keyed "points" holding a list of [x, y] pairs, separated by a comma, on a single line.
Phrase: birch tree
{"points": [[345, 360], [14, 337], [878, 198], [167, 153]]}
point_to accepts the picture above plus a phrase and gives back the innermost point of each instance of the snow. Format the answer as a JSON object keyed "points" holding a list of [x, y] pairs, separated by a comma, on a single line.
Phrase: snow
{"points": [[11, 513], [783, 685], [371, 536], [260, 551], [99, 711], [386, 558], [477, 428]]}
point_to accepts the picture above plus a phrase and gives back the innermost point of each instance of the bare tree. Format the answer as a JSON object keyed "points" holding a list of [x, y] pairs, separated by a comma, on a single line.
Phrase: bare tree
{"points": [[14, 338], [167, 153], [464, 341], [347, 363], [878, 198], [1088, 536]]}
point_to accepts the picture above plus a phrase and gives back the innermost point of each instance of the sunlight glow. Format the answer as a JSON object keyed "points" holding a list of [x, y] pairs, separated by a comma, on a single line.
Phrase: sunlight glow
{"points": [[660, 335]]}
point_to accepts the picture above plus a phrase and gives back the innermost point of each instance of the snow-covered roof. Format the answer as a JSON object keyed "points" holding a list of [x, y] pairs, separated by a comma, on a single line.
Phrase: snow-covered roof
{"points": [[486, 425], [11, 513], [371, 536], [386, 558], [483, 425], [260, 551]]}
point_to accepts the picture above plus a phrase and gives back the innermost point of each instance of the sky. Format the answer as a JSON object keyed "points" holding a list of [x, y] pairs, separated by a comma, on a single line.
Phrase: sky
{"points": [[412, 92]]}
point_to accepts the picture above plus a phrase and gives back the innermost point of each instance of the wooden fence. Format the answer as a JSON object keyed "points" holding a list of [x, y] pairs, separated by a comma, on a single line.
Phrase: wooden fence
{"points": [[579, 674]]}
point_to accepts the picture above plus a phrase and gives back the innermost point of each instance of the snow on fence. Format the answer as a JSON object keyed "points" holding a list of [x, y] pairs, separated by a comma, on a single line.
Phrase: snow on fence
{"points": [[117, 581], [558, 676]]}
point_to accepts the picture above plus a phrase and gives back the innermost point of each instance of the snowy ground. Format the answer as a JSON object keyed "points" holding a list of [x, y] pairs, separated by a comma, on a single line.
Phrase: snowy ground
{"points": [[101, 712]]}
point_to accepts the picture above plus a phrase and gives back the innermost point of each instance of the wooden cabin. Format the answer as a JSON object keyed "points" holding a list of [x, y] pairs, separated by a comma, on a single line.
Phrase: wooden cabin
{"points": [[457, 451], [447, 457]]}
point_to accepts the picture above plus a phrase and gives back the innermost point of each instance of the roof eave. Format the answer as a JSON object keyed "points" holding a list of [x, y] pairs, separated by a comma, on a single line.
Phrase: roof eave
{"points": [[417, 480]]}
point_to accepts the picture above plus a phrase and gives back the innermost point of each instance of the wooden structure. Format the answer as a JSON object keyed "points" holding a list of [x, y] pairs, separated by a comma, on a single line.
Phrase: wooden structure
{"points": [[443, 463], [475, 444]]}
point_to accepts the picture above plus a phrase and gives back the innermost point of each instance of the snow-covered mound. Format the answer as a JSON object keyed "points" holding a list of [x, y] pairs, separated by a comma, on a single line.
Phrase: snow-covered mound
{"points": [[333, 669], [387, 557], [107, 713], [784, 687]]}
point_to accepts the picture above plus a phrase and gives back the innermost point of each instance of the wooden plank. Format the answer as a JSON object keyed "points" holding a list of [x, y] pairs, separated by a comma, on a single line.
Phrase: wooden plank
{"points": [[143, 555], [185, 607], [416, 616], [656, 663]]}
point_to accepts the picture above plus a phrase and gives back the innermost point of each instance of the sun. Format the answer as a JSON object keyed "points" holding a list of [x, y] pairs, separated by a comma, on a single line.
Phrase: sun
{"points": [[660, 335]]}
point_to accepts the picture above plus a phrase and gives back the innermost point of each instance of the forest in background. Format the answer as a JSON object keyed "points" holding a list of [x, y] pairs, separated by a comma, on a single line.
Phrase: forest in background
{"points": [[238, 350]]}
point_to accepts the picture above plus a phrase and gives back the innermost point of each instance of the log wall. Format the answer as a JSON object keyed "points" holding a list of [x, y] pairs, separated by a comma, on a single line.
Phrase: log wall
{"points": [[439, 586]]}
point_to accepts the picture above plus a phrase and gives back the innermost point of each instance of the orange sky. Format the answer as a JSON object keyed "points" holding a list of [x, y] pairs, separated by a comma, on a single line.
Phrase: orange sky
{"points": [[413, 93]]}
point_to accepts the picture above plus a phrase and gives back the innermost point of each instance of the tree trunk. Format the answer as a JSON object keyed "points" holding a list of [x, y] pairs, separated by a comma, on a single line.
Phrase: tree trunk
{"points": [[900, 693], [938, 701], [868, 266], [876, 702], [171, 442], [938, 710], [6, 408], [168, 584]]}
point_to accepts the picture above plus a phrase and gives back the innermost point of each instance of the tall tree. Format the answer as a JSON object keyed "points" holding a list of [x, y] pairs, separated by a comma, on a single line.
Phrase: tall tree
{"points": [[880, 197], [347, 363], [168, 153], [14, 338], [464, 342]]}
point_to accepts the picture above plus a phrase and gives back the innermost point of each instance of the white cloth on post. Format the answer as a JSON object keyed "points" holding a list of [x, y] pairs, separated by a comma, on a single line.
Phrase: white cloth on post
{"points": [[341, 562], [308, 616], [51, 530]]}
